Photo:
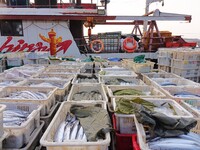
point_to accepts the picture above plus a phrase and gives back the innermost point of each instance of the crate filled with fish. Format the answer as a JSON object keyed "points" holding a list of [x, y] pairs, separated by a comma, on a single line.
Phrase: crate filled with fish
{"points": [[118, 73], [72, 63], [62, 71], [9, 82], [175, 138], [142, 67], [61, 91], [78, 126], [182, 93], [114, 68], [2, 109], [36, 95], [148, 77], [126, 108], [86, 78], [142, 91], [64, 66], [49, 76], [121, 81], [19, 121], [87, 92]]}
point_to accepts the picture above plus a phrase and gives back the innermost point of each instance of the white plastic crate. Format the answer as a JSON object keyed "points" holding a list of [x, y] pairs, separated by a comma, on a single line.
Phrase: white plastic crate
{"points": [[14, 62], [147, 77], [164, 68], [29, 61], [127, 80], [49, 76], [143, 67], [148, 91], [87, 88], [2, 108], [185, 72], [164, 61], [62, 71], [114, 68], [170, 91], [20, 135], [47, 138], [187, 54], [44, 61], [61, 91], [126, 125], [91, 79], [117, 73], [185, 64], [5, 134], [46, 103], [9, 82]]}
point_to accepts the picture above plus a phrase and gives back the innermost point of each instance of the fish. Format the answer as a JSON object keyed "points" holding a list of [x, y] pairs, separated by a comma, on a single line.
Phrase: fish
{"points": [[67, 132], [80, 133], [74, 130], [60, 132]]}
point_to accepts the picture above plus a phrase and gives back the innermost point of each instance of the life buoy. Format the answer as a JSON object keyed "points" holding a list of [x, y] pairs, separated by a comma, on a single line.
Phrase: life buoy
{"points": [[127, 48], [97, 46]]}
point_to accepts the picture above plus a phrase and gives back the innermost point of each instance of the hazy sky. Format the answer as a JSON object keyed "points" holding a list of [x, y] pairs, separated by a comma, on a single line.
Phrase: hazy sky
{"points": [[137, 8]]}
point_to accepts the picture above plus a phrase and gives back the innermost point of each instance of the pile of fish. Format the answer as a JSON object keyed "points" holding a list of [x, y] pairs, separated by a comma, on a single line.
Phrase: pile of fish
{"points": [[88, 79], [130, 92], [13, 74], [27, 95], [85, 95], [14, 117], [6, 83], [70, 130], [118, 81], [186, 94], [189, 141]]}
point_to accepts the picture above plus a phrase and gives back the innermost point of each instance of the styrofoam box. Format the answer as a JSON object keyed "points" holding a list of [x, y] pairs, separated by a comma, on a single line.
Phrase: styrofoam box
{"points": [[129, 80], [149, 91], [94, 78], [143, 67], [46, 103], [47, 138], [185, 72], [119, 73], [88, 88], [185, 64], [62, 71], [2, 108], [147, 76], [20, 135], [170, 91], [126, 124], [179, 82], [62, 86], [49, 76]]}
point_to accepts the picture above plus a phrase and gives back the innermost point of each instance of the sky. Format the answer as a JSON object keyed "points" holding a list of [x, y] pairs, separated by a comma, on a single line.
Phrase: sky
{"points": [[137, 8]]}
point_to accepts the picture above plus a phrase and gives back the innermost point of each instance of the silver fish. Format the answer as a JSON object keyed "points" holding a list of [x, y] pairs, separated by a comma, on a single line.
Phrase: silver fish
{"points": [[74, 130], [59, 133], [80, 133], [67, 132]]}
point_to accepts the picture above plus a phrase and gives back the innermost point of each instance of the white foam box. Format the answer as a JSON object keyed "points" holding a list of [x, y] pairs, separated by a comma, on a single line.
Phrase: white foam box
{"points": [[118, 73], [126, 124], [20, 135], [170, 91], [130, 80], [76, 88], [49, 76], [148, 91], [47, 138], [93, 77], [61, 91], [148, 76], [46, 103]]}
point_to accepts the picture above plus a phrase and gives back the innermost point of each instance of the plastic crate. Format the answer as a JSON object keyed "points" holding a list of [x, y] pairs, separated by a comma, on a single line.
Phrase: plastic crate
{"points": [[43, 61], [114, 68], [125, 141], [164, 61], [185, 64], [143, 67], [5, 134], [47, 103], [147, 77], [91, 79], [2, 108], [61, 91], [187, 54], [29, 61], [129, 80], [170, 91], [117, 73], [47, 119], [49, 76], [88, 88], [150, 92], [47, 138], [62, 71], [10, 82], [186, 72], [20, 135], [14, 62]]}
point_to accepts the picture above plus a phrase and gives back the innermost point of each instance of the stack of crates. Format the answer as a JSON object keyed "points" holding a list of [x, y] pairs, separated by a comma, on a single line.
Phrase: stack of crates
{"points": [[111, 41], [164, 59], [186, 63]]}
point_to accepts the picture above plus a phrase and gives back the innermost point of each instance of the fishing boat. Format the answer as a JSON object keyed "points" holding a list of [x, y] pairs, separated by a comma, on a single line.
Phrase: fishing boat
{"points": [[57, 28]]}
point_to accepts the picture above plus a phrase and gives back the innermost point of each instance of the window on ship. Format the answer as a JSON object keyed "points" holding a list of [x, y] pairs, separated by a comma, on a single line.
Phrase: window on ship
{"points": [[11, 28]]}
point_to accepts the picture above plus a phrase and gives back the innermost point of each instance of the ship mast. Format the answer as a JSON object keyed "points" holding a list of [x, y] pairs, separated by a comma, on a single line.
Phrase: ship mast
{"points": [[148, 2]]}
